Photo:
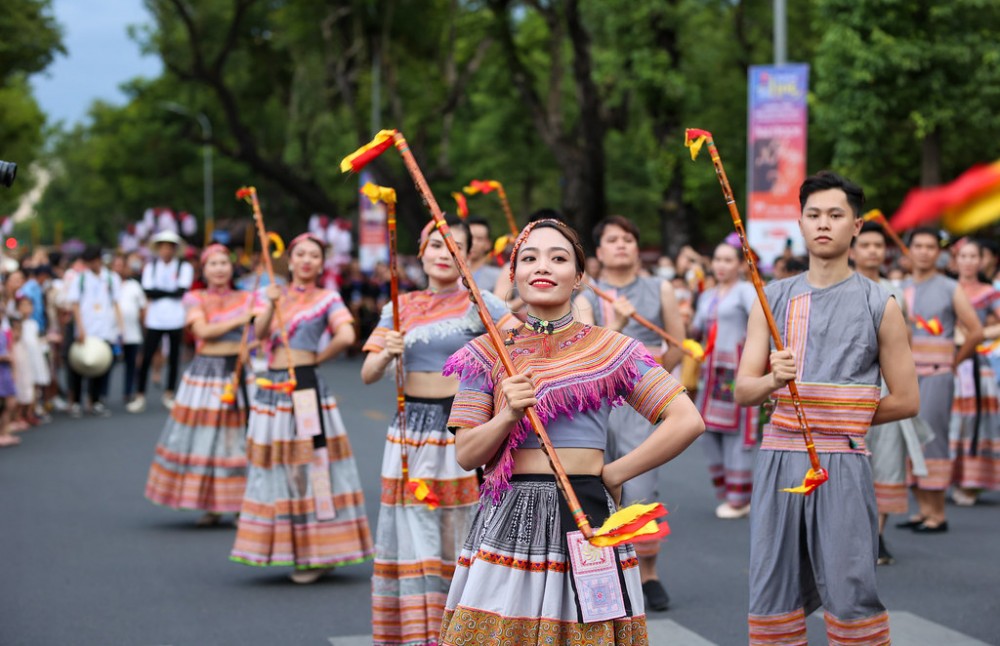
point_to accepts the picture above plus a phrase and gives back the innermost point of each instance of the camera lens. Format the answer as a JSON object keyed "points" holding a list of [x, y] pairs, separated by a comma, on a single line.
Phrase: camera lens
{"points": [[8, 170]]}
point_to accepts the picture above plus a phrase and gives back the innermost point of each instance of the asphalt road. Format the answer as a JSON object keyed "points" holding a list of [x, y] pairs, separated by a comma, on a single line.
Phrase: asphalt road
{"points": [[86, 559]]}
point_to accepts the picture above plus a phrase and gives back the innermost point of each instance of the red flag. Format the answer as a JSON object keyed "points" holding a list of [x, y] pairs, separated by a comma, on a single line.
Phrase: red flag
{"points": [[923, 205]]}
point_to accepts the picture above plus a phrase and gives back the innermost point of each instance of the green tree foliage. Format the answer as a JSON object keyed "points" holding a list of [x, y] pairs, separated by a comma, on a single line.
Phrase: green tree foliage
{"points": [[29, 39], [580, 104], [909, 89]]}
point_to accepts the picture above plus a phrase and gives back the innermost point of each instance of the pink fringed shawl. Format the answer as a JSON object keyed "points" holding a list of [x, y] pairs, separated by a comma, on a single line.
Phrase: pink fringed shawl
{"points": [[575, 370]]}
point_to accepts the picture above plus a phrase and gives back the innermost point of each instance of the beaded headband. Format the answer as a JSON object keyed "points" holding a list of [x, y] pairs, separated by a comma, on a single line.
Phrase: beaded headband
{"points": [[524, 236], [302, 237], [213, 248]]}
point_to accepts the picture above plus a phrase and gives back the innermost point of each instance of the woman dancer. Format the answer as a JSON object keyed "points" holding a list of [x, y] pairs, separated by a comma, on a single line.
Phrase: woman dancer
{"points": [[200, 460], [721, 322], [416, 547], [286, 517], [514, 577], [975, 419]]}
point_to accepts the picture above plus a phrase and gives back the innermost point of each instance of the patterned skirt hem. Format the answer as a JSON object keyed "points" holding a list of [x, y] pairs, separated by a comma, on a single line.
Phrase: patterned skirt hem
{"points": [[310, 566]]}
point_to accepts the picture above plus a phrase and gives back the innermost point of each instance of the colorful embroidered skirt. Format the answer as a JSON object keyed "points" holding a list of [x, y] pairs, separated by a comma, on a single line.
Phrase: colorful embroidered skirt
{"points": [[278, 521], [974, 434], [200, 460], [513, 583], [416, 547]]}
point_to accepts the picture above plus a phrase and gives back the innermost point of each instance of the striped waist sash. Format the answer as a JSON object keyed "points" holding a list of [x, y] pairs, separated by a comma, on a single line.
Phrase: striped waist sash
{"points": [[933, 355], [838, 416]]}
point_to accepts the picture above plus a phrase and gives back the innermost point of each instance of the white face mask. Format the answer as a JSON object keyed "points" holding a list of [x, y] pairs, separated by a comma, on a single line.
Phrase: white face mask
{"points": [[666, 273], [896, 282]]}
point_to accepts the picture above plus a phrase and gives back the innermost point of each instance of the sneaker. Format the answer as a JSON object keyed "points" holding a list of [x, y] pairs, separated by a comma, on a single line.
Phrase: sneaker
{"points": [[656, 595], [305, 577], [100, 410], [963, 498], [168, 402], [76, 411], [884, 557], [728, 512], [137, 405], [59, 404]]}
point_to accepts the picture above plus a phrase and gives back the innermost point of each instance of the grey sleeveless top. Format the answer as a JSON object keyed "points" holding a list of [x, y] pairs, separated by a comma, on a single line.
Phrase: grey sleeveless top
{"points": [[644, 294]]}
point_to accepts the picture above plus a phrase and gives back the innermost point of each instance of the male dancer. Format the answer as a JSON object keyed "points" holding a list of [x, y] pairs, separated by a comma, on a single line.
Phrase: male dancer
{"points": [[935, 303], [890, 444], [617, 242], [839, 328], [484, 270]]}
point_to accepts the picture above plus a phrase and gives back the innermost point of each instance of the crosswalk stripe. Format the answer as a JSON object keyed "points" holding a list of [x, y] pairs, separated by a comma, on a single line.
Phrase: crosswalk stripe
{"points": [[661, 631], [905, 627], [908, 628], [667, 631], [912, 630]]}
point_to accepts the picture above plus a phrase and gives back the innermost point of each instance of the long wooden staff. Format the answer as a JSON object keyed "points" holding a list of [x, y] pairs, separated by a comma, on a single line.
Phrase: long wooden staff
{"points": [[249, 194], [817, 475], [242, 355], [415, 486], [685, 347], [875, 215], [631, 524], [488, 186]]}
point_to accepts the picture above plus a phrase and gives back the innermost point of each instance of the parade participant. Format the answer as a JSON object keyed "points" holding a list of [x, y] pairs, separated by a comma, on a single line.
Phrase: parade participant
{"points": [[935, 304], [838, 328], [975, 422], [412, 575], [8, 389], [165, 281], [891, 444], [133, 306], [484, 270], [200, 460], [93, 295], [720, 321], [617, 242], [514, 577], [284, 519]]}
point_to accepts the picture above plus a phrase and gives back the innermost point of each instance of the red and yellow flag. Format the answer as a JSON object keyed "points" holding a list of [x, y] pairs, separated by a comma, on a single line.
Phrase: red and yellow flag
{"points": [[377, 193], [923, 205], [463, 204], [362, 156], [481, 186]]}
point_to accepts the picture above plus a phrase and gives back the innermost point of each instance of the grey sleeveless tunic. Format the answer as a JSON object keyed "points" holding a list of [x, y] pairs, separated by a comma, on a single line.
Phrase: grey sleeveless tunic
{"points": [[833, 333], [644, 294]]}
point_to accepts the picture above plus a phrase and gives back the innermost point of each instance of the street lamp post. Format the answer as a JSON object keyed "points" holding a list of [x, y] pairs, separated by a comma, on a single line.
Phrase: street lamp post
{"points": [[206, 152]]}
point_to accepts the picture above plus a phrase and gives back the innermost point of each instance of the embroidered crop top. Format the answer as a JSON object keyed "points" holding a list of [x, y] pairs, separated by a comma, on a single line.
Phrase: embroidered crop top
{"points": [[307, 313], [581, 372], [436, 326], [217, 306]]}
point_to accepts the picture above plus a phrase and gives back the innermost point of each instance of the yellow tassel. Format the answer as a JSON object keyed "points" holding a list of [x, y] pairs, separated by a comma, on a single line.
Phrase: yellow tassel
{"points": [[626, 516], [695, 146], [377, 193], [694, 348], [604, 540]]}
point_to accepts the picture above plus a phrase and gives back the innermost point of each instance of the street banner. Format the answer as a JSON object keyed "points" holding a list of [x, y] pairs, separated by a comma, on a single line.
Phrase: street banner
{"points": [[777, 121], [373, 233]]}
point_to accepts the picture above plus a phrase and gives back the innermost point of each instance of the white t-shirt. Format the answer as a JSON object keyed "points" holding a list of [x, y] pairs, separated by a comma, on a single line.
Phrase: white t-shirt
{"points": [[166, 313], [97, 295], [131, 304]]}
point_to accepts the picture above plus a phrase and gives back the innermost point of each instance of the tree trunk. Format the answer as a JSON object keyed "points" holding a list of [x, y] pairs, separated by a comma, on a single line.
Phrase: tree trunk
{"points": [[930, 160], [675, 231]]}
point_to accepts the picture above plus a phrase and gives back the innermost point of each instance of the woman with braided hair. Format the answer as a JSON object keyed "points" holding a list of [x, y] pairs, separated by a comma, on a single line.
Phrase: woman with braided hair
{"points": [[417, 541], [514, 577]]}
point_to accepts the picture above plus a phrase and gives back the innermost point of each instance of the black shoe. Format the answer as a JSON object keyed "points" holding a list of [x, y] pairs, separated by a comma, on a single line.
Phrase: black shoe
{"points": [[910, 524], [884, 557], [656, 596], [924, 528]]}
